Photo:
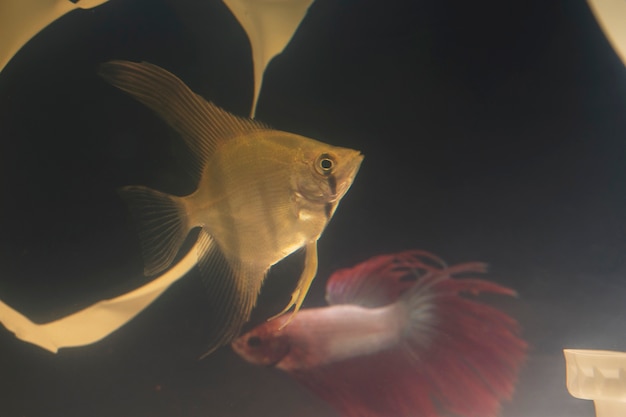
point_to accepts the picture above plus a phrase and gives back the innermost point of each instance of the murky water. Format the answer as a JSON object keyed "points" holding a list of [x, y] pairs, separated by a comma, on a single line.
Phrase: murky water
{"points": [[492, 132]]}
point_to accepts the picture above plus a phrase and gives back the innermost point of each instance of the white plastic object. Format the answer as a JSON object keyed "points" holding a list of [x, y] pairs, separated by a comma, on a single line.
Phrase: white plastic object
{"points": [[598, 375]]}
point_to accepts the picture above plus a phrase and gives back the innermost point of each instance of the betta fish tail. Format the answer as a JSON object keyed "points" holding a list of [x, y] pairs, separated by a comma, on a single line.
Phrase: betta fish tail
{"points": [[162, 222], [467, 353], [454, 356], [415, 343]]}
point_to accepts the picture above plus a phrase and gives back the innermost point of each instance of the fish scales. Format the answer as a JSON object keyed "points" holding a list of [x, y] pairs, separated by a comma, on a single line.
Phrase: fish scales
{"points": [[262, 194], [252, 197]]}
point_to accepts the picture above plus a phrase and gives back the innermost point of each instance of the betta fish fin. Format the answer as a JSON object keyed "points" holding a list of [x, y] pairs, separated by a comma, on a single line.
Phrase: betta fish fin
{"points": [[304, 283], [162, 222], [232, 289], [469, 351], [202, 125], [456, 356], [380, 280]]}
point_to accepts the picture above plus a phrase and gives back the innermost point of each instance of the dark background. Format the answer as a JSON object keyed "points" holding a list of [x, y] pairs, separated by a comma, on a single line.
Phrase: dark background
{"points": [[493, 131]]}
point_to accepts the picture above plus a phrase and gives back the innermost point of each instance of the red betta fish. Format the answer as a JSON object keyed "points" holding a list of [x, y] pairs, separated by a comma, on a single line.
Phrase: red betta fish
{"points": [[399, 340]]}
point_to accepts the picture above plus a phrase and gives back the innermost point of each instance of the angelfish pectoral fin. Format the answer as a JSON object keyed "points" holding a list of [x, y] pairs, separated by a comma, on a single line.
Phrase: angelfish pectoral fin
{"points": [[304, 283], [232, 288]]}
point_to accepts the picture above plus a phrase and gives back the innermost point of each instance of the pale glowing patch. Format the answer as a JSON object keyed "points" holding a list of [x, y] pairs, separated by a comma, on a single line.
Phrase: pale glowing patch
{"points": [[20, 20], [611, 15], [270, 25], [96, 321]]}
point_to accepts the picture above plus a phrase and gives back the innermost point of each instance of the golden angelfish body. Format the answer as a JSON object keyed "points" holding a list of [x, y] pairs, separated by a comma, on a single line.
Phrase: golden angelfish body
{"points": [[262, 194]]}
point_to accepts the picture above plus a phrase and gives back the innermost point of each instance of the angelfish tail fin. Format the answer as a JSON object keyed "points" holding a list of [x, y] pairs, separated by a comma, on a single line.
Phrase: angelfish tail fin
{"points": [[162, 223]]}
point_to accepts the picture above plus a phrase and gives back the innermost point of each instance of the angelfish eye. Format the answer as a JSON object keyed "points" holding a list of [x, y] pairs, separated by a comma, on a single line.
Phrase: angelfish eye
{"points": [[254, 341], [325, 164]]}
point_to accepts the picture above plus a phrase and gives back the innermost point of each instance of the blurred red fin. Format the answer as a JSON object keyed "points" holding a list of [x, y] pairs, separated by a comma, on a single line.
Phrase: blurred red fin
{"points": [[380, 280], [464, 361]]}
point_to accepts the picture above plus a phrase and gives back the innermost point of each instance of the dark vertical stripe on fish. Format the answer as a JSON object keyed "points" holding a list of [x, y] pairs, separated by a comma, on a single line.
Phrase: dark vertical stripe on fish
{"points": [[225, 220], [268, 205], [332, 184], [328, 209]]}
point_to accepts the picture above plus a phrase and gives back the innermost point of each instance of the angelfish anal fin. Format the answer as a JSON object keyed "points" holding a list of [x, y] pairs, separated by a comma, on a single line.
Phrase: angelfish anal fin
{"points": [[304, 283], [232, 289]]}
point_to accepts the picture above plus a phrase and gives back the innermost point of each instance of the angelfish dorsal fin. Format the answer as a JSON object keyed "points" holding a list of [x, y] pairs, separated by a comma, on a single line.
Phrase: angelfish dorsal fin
{"points": [[202, 125]]}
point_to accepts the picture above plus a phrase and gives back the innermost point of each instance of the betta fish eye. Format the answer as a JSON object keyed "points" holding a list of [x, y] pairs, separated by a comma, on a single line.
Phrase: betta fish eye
{"points": [[325, 164], [254, 341]]}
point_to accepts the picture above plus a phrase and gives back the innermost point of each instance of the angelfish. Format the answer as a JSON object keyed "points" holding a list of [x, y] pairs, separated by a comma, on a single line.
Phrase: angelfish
{"points": [[399, 339], [262, 194]]}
